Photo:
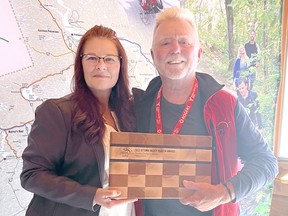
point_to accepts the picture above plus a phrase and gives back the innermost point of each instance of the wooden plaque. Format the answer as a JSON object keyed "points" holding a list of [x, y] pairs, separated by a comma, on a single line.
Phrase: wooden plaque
{"points": [[153, 166]]}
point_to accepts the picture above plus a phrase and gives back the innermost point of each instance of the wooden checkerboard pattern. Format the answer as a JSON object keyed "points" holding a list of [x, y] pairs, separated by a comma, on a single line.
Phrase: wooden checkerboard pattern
{"points": [[153, 166]]}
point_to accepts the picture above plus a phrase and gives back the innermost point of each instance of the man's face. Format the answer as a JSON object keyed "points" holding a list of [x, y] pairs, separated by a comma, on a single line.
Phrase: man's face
{"points": [[252, 36], [243, 89], [175, 50]]}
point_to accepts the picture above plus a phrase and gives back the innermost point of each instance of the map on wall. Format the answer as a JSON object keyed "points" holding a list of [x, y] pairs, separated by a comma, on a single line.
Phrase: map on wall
{"points": [[38, 40]]}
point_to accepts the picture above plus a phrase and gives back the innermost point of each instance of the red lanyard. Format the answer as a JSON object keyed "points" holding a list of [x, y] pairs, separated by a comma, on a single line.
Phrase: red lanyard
{"points": [[189, 104]]}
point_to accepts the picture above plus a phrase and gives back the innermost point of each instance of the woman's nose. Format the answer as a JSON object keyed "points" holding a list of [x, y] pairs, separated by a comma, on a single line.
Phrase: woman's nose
{"points": [[101, 64]]}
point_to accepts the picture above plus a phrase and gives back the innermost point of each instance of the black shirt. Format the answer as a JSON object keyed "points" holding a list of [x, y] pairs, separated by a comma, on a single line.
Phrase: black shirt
{"points": [[194, 125]]}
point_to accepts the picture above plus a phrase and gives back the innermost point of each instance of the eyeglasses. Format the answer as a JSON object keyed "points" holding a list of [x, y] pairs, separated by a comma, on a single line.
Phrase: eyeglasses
{"points": [[94, 59]]}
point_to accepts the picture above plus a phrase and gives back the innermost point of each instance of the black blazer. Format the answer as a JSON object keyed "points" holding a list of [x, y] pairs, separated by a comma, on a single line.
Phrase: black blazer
{"points": [[59, 167]]}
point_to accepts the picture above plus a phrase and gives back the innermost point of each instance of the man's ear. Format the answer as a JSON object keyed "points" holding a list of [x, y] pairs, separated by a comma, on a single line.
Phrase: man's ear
{"points": [[199, 54], [151, 52]]}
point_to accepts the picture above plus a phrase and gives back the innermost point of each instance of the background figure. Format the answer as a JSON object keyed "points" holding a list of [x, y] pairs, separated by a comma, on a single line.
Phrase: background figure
{"points": [[66, 161], [151, 6], [249, 100], [241, 66], [183, 101], [252, 48], [253, 52]]}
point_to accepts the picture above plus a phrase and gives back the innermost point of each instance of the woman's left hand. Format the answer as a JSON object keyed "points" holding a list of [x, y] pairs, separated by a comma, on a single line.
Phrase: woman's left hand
{"points": [[110, 198]]}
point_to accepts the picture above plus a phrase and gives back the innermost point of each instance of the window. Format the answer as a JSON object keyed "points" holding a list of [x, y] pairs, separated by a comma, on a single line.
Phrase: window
{"points": [[283, 145], [281, 118]]}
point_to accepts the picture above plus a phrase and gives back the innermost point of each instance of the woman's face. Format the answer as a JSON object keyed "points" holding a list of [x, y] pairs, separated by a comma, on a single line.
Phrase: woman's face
{"points": [[101, 65], [242, 51]]}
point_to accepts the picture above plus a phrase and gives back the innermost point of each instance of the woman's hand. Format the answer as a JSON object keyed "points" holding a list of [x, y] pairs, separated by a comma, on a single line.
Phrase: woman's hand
{"points": [[110, 198]]}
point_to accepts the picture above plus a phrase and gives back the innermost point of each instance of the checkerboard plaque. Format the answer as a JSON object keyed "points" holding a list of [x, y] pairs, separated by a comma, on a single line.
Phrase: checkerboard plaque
{"points": [[153, 166]]}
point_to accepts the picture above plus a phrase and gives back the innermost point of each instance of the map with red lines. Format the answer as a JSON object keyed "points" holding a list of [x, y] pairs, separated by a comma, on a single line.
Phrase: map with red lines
{"points": [[38, 40]]}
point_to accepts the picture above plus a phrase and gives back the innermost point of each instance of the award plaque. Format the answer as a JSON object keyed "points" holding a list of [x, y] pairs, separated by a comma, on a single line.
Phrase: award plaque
{"points": [[153, 166]]}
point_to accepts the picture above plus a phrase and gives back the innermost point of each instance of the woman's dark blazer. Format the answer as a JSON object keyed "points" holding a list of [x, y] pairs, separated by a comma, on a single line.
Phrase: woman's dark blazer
{"points": [[59, 167]]}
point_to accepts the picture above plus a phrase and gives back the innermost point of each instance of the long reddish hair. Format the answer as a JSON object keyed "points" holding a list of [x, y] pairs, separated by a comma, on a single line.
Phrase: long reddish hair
{"points": [[87, 115]]}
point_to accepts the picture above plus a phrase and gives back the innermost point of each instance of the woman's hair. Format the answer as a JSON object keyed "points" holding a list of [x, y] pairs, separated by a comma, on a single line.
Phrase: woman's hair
{"points": [[241, 47], [87, 115]]}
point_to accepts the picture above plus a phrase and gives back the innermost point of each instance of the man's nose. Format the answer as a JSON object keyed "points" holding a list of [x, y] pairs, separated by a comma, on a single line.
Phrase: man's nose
{"points": [[175, 47]]}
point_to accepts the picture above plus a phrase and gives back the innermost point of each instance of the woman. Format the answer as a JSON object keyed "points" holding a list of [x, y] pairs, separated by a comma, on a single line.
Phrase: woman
{"points": [[241, 66], [65, 163]]}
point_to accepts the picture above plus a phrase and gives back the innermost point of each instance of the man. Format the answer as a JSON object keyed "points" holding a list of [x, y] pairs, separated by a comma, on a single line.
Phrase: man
{"points": [[251, 47], [211, 111], [249, 100], [252, 51]]}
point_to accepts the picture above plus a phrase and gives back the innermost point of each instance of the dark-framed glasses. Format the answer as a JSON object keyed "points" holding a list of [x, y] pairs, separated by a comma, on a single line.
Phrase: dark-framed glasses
{"points": [[94, 59]]}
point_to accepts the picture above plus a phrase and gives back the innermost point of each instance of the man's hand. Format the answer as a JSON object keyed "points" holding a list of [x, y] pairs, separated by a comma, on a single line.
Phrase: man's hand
{"points": [[110, 198], [206, 196]]}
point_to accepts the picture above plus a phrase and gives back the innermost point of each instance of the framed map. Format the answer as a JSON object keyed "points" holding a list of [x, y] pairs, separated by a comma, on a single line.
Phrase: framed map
{"points": [[38, 40]]}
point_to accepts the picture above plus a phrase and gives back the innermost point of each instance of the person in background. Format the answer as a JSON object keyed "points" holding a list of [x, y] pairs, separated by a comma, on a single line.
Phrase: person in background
{"points": [[253, 52], [249, 100], [241, 66], [66, 161], [252, 48], [183, 101]]}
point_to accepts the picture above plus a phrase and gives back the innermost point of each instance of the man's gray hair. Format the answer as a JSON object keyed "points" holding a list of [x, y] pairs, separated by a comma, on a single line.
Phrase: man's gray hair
{"points": [[175, 13]]}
